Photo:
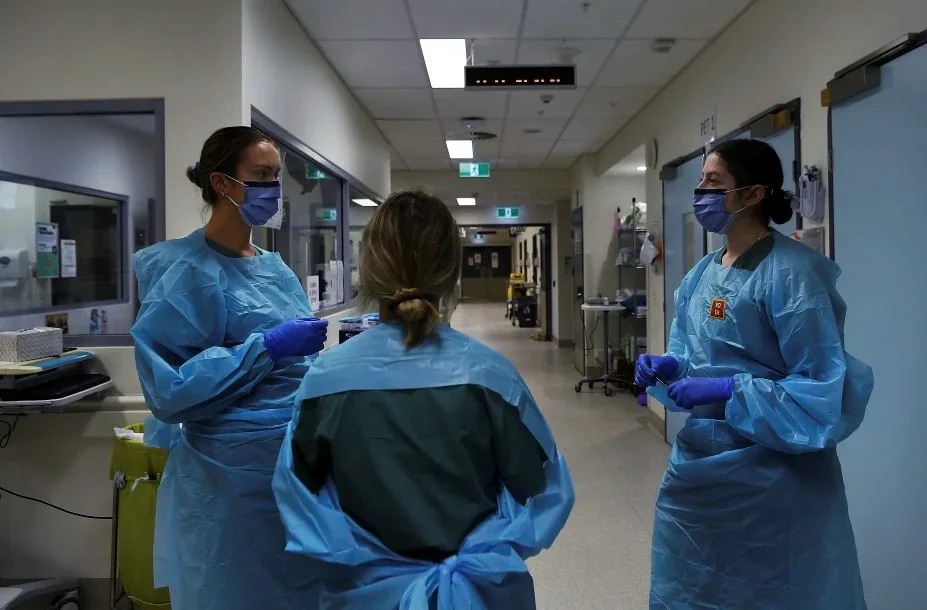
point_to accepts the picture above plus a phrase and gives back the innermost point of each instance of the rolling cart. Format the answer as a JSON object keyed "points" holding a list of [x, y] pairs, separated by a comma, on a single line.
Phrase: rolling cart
{"points": [[608, 378]]}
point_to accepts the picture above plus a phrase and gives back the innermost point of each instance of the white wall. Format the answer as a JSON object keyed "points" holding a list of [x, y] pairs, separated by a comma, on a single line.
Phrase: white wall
{"points": [[187, 53], [776, 51], [82, 151], [285, 76]]}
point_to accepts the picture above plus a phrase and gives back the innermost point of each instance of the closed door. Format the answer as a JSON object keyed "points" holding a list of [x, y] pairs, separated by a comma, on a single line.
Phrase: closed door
{"points": [[579, 334], [879, 207], [684, 239]]}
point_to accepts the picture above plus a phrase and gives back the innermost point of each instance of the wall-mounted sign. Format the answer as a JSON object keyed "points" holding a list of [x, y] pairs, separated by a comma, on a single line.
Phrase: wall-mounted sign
{"points": [[708, 129], [330, 214], [315, 174], [474, 170], [495, 260], [46, 249], [507, 213]]}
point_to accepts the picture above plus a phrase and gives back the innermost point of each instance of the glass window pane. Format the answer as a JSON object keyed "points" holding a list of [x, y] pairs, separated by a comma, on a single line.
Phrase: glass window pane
{"points": [[78, 196], [310, 238], [694, 240], [359, 213]]}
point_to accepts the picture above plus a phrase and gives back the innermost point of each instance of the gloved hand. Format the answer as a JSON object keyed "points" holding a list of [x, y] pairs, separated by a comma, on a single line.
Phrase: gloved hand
{"points": [[295, 338], [650, 367], [698, 391]]}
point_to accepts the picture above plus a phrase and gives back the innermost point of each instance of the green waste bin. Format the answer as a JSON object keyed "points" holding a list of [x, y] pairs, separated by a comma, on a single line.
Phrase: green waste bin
{"points": [[136, 472]]}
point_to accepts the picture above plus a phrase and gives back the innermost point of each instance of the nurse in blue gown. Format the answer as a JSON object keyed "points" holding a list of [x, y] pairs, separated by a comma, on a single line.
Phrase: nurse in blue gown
{"points": [[223, 339], [752, 512], [418, 467]]}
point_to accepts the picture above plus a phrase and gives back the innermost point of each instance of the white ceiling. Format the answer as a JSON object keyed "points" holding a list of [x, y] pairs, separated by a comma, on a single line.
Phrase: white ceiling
{"points": [[373, 44]]}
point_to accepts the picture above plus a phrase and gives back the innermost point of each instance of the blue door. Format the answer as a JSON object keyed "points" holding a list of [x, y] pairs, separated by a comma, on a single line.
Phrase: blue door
{"points": [[879, 209], [682, 239]]}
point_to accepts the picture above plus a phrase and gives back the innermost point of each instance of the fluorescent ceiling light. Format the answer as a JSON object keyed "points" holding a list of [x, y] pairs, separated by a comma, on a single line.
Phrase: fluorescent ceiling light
{"points": [[466, 201], [445, 60], [642, 168], [460, 149], [365, 203]]}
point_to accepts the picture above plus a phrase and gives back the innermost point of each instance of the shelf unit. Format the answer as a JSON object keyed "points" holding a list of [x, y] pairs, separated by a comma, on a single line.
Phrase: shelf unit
{"points": [[632, 323]]}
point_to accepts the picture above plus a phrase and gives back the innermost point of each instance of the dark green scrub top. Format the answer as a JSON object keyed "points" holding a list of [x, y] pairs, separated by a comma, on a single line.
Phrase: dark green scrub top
{"points": [[754, 255], [229, 252], [418, 468]]}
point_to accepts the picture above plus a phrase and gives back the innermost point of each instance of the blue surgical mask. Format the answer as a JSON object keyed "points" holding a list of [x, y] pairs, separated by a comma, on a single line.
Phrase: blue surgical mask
{"points": [[261, 203], [710, 211]]}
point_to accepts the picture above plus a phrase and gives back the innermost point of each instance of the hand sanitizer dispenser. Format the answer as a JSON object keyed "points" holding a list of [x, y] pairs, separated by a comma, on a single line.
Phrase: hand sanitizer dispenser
{"points": [[14, 267]]}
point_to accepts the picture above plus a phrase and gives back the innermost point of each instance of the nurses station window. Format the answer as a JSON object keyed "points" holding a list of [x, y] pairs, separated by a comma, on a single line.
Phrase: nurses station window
{"points": [[81, 190], [310, 239], [360, 211]]}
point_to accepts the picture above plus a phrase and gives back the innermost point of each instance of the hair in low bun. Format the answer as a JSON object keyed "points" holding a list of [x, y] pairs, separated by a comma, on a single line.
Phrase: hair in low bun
{"points": [[193, 174], [411, 263], [418, 314], [778, 206]]}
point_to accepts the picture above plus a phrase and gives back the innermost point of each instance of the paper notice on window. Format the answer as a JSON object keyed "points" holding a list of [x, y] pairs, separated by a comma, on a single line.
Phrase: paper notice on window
{"points": [[495, 260], [46, 250], [312, 291], [339, 281], [478, 258], [68, 258]]}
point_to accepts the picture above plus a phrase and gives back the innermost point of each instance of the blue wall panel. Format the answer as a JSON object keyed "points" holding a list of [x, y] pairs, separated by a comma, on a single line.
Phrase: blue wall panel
{"points": [[879, 213]]}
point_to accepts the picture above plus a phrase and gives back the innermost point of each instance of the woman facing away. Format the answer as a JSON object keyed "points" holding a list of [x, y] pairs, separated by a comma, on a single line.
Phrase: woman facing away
{"points": [[418, 467], [224, 336], [752, 512]]}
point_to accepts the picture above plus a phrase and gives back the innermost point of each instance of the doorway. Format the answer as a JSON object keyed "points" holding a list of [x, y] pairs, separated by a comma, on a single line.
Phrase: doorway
{"points": [[492, 253]]}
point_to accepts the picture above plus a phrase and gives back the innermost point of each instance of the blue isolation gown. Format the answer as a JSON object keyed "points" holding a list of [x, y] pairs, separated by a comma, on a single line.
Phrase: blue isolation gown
{"points": [[752, 511], [362, 574], [219, 543]]}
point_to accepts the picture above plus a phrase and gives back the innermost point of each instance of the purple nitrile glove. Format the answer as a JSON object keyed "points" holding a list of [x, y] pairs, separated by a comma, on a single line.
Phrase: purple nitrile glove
{"points": [[698, 391], [296, 338], [650, 367]]}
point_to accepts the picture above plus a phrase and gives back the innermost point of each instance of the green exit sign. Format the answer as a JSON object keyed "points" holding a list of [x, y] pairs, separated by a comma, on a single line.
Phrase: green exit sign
{"points": [[474, 170], [327, 214], [507, 213]]}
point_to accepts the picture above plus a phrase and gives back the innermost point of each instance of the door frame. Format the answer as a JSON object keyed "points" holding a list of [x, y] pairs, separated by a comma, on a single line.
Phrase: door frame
{"points": [[548, 260]]}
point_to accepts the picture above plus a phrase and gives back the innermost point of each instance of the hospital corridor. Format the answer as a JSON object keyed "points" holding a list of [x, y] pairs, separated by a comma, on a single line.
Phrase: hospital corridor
{"points": [[483, 305]]}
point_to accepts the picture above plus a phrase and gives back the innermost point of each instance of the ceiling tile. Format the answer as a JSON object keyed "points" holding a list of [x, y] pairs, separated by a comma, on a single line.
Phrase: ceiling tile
{"points": [[526, 163], [411, 131], [675, 19], [527, 105], [635, 65], [560, 19], [397, 103], [494, 51], [596, 131], [428, 163], [354, 20], [470, 19], [573, 148], [592, 55], [520, 149], [377, 63], [559, 162], [616, 102], [486, 149], [508, 163], [550, 129], [457, 103], [455, 126], [410, 149]]}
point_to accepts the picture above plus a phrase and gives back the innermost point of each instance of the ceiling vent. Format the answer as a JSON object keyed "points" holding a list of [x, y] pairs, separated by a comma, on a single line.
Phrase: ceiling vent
{"points": [[662, 45], [472, 129]]}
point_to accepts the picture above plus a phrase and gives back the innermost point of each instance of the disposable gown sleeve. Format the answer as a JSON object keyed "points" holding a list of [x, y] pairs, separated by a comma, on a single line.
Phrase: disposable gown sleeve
{"points": [[807, 410], [185, 371]]}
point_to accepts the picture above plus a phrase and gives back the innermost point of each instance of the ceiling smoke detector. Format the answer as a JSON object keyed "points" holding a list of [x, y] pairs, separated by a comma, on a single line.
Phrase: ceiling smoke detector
{"points": [[567, 55], [472, 129], [662, 45]]}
